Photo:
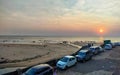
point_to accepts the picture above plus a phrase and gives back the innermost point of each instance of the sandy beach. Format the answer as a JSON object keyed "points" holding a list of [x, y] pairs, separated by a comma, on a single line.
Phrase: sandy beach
{"points": [[23, 55]]}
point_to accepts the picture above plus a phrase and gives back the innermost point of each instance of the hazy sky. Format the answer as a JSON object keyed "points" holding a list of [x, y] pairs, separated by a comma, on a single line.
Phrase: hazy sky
{"points": [[60, 17]]}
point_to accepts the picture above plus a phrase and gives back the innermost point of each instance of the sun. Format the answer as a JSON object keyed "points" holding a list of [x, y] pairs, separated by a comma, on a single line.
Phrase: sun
{"points": [[101, 30]]}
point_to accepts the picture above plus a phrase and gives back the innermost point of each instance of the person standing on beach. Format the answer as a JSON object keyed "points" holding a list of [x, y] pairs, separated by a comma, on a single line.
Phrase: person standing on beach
{"points": [[55, 71]]}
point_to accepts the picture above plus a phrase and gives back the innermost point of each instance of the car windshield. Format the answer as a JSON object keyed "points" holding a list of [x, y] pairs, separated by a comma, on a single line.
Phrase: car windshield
{"points": [[31, 71], [107, 46], [64, 59], [92, 48], [81, 53]]}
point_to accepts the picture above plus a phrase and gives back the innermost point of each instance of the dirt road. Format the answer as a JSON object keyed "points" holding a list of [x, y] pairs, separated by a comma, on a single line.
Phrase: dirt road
{"points": [[106, 63]]}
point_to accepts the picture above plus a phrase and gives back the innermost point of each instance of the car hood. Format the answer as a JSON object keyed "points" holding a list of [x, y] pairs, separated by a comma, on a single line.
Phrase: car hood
{"points": [[61, 62], [107, 47]]}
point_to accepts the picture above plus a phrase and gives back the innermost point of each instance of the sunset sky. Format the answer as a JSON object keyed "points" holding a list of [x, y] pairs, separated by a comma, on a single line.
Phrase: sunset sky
{"points": [[60, 17]]}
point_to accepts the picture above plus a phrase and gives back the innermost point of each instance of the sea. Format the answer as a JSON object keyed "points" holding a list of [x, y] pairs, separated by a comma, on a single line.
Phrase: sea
{"points": [[56, 38]]}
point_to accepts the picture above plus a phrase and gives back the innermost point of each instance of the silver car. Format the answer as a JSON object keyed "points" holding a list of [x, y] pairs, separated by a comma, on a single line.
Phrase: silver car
{"points": [[66, 62], [108, 47]]}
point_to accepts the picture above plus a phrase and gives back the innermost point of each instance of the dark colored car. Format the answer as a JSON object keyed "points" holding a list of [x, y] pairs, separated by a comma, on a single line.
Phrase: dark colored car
{"points": [[113, 45], [84, 55], [117, 43], [43, 69], [96, 49]]}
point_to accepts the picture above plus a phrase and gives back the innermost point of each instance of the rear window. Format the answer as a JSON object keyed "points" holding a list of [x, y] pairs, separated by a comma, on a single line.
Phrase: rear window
{"points": [[81, 53], [42, 70], [30, 71], [92, 48], [73, 58]]}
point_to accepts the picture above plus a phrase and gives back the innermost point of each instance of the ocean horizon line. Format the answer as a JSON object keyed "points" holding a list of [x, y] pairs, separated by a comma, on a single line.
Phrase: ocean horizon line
{"points": [[50, 36]]}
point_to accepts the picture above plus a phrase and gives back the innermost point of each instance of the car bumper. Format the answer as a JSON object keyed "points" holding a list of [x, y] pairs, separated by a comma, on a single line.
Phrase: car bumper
{"points": [[61, 66]]}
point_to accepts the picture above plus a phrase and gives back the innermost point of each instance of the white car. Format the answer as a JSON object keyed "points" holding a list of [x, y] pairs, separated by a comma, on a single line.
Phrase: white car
{"points": [[101, 49], [66, 61], [108, 47]]}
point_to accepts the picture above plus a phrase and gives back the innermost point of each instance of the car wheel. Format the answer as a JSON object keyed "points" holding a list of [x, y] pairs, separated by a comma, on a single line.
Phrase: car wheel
{"points": [[65, 67], [78, 59], [86, 59], [90, 57], [83, 60], [103, 51], [75, 63], [96, 52]]}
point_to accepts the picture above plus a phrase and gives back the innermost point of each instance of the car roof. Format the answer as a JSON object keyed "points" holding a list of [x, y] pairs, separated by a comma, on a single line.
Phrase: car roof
{"points": [[68, 56], [108, 45], [41, 66], [84, 51], [94, 46], [38, 67]]}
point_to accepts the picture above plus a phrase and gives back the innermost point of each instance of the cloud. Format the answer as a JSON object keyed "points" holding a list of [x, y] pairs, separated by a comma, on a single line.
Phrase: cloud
{"points": [[98, 7], [54, 16], [61, 7]]}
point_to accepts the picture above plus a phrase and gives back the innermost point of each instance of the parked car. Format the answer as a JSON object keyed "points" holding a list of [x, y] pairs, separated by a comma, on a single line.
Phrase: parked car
{"points": [[43, 69], [108, 47], [66, 62], [113, 45], [107, 42], [117, 44], [84, 55], [96, 49], [101, 49]]}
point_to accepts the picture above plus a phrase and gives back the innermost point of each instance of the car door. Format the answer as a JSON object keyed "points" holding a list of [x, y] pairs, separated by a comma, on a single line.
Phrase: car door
{"points": [[90, 54], [98, 49], [73, 61], [87, 55], [70, 62]]}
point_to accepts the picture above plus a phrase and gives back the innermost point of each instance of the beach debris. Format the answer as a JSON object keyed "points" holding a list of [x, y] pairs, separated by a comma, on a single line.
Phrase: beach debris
{"points": [[65, 42], [33, 41], [3, 60]]}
